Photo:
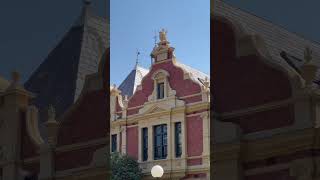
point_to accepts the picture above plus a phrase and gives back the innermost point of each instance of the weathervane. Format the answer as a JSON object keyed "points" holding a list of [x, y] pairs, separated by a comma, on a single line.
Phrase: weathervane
{"points": [[155, 38], [137, 60]]}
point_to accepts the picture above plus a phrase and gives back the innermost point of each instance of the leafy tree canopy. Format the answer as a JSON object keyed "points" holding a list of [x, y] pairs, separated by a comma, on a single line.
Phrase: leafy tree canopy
{"points": [[124, 167]]}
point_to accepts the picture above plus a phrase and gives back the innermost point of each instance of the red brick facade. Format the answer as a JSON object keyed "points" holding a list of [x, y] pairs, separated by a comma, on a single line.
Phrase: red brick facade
{"points": [[132, 144]]}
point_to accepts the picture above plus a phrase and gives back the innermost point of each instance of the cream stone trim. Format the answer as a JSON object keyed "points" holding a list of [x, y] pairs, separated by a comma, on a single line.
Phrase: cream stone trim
{"points": [[197, 106], [189, 96], [161, 76], [118, 141], [267, 169], [185, 109], [256, 109], [278, 145], [135, 107], [77, 146], [32, 125], [206, 133], [150, 144], [196, 114], [195, 157], [190, 104], [124, 140], [198, 168], [131, 126], [78, 171]]}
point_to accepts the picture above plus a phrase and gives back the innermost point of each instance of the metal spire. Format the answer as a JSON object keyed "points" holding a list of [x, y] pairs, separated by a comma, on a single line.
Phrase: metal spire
{"points": [[155, 38], [137, 59]]}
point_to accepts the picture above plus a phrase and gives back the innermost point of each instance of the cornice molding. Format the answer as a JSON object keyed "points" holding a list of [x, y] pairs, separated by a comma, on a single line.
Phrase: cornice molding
{"points": [[78, 146], [277, 145], [261, 108], [178, 110]]}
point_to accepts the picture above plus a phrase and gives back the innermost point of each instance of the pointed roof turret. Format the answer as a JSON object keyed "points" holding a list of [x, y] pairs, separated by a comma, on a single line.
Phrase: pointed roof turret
{"points": [[129, 85], [60, 78], [85, 14]]}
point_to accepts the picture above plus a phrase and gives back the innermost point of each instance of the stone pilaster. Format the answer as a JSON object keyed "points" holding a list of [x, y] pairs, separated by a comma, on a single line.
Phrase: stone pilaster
{"points": [[124, 140], [46, 163], [206, 134], [150, 143]]}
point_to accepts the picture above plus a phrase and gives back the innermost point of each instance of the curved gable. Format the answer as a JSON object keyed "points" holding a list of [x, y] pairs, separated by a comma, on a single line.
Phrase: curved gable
{"points": [[183, 87], [245, 81]]}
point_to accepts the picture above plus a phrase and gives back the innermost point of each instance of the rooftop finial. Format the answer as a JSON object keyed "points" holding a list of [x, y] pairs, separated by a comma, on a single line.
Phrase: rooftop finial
{"points": [[155, 38], [308, 54], [163, 35], [15, 76], [137, 59], [51, 112]]}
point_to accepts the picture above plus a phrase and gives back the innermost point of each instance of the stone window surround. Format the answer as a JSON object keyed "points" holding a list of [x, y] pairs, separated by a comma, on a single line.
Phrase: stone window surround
{"points": [[170, 137], [158, 77]]}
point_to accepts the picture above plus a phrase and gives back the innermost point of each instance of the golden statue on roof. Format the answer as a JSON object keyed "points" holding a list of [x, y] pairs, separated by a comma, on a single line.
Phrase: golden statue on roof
{"points": [[163, 35]]}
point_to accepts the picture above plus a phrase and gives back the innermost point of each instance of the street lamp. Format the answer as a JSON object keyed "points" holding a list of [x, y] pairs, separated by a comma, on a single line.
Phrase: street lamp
{"points": [[157, 171]]}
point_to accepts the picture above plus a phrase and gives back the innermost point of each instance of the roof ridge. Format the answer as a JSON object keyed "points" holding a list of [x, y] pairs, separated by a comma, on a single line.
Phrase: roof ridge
{"points": [[195, 69], [273, 23]]}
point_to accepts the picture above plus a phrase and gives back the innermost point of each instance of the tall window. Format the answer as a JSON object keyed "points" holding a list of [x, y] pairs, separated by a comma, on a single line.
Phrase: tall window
{"points": [[160, 90], [178, 141], [114, 143], [145, 144], [160, 142]]}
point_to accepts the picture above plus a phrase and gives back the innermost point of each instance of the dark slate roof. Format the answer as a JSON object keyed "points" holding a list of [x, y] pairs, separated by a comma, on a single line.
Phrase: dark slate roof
{"points": [[129, 85], [60, 78], [277, 39]]}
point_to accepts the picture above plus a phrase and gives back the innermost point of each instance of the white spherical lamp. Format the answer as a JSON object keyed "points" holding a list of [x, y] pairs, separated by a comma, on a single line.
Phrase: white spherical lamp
{"points": [[157, 171]]}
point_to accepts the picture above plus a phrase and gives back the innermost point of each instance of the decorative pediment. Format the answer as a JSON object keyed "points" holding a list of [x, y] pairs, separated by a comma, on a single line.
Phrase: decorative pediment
{"points": [[161, 106], [155, 109]]}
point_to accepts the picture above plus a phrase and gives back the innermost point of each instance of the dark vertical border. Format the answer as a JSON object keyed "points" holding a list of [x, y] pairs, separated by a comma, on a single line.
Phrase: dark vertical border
{"points": [[211, 93]]}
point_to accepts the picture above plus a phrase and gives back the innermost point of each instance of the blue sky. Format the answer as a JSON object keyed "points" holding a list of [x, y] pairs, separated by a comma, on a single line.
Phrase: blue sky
{"points": [[133, 26]]}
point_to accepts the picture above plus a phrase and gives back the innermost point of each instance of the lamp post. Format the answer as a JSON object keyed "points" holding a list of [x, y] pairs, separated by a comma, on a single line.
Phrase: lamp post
{"points": [[157, 171]]}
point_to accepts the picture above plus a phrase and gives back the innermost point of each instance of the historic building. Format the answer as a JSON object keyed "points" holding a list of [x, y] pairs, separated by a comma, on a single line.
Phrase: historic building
{"points": [[265, 91], [160, 116], [56, 126]]}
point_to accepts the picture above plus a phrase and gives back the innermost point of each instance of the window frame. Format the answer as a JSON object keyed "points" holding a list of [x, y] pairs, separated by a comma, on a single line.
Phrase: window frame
{"points": [[178, 139], [144, 144], [160, 90], [114, 139], [160, 148]]}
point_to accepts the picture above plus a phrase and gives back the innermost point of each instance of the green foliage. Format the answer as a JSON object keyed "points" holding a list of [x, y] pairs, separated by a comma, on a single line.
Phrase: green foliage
{"points": [[124, 167]]}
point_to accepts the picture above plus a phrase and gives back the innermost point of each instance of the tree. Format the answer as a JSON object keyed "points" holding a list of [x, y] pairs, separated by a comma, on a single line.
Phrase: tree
{"points": [[124, 167]]}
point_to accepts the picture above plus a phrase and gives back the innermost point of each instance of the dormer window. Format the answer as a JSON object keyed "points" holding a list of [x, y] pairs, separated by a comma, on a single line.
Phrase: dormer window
{"points": [[161, 87], [160, 90]]}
